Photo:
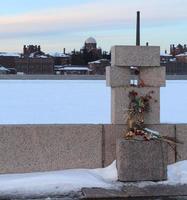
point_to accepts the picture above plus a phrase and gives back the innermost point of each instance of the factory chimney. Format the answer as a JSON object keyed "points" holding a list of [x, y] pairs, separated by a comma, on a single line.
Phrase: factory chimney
{"points": [[138, 29]]}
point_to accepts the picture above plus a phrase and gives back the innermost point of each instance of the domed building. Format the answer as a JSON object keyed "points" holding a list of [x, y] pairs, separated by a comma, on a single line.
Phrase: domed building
{"points": [[90, 44], [90, 40], [89, 52]]}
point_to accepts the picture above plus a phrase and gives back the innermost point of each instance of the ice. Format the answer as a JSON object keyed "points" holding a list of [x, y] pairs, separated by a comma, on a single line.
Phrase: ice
{"points": [[76, 101]]}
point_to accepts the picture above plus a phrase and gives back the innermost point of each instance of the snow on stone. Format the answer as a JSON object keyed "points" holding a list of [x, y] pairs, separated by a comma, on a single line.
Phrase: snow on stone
{"points": [[57, 182]]}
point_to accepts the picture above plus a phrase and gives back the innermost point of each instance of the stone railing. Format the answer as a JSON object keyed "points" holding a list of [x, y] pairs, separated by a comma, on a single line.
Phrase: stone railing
{"points": [[28, 148]]}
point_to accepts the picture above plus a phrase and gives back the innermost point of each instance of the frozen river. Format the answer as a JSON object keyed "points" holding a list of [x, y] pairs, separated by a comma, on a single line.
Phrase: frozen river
{"points": [[67, 102]]}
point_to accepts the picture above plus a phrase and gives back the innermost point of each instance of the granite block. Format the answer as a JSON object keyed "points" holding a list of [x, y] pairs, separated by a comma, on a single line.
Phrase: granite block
{"points": [[153, 76], [157, 191], [120, 103], [181, 135], [169, 131], [139, 56], [118, 76], [136, 191], [32, 148], [141, 160], [113, 132]]}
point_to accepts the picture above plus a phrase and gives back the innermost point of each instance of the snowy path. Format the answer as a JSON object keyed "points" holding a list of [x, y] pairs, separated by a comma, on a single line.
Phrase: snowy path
{"points": [[57, 182], [66, 181]]}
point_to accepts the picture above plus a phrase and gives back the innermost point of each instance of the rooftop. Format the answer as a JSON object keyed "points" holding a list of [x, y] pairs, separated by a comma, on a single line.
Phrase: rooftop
{"points": [[90, 40]]}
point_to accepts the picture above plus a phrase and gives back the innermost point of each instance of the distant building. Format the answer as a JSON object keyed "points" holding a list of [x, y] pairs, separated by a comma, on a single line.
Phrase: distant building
{"points": [[8, 59], [179, 49], [182, 58], [29, 65], [3, 70], [34, 61], [90, 44], [90, 50], [99, 66], [165, 58], [72, 69], [88, 53], [32, 51], [60, 58], [176, 61]]}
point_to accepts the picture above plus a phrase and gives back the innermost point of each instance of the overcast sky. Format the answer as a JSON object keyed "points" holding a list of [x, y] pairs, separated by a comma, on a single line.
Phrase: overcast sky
{"points": [[58, 24]]}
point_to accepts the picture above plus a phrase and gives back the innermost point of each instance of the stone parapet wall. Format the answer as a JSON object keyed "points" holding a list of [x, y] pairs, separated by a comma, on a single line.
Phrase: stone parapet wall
{"points": [[32, 148]]}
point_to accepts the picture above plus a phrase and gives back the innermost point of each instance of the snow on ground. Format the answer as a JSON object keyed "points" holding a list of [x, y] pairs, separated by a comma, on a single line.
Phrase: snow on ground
{"points": [[57, 182], [48, 102], [173, 102], [60, 182], [177, 173], [76, 101]]}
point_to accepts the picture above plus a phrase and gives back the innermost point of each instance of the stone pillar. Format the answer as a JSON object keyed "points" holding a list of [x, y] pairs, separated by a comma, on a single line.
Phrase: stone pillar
{"points": [[137, 160], [119, 78]]}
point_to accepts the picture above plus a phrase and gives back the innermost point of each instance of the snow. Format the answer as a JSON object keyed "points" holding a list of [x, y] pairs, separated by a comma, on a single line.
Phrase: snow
{"points": [[62, 101], [64, 181], [173, 99], [76, 101], [182, 54], [95, 62], [177, 173], [12, 54], [165, 54], [172, 59], [3, 68], [41, 56], [34, 55], [75, 68], [98, 61], [58, 182], [54, 102], [58, 54]]}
